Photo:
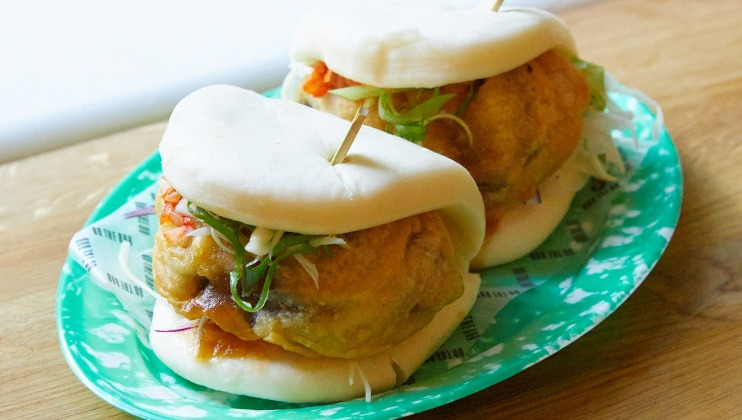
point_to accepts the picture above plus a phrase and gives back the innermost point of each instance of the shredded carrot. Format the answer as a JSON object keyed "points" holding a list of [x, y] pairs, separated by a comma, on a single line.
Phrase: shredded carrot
{"points": [[316, 85], [168, 193], [177, 235], [170, 215], [324, 79], [170, 199], [167, 208], [183, 223]]}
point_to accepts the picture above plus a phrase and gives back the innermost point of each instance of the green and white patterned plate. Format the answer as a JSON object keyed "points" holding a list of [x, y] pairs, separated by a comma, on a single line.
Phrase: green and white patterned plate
{"points": [[527, 310]]}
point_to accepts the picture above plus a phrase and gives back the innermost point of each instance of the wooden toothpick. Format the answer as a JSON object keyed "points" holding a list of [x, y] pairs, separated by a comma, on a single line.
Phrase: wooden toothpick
{"points": [[352, 132], [497, 5]]}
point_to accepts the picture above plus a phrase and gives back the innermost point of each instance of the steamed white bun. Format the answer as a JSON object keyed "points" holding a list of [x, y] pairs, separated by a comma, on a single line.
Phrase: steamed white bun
{"points": [[526, 226], [425, 45], [265, 162], [295, 378]]}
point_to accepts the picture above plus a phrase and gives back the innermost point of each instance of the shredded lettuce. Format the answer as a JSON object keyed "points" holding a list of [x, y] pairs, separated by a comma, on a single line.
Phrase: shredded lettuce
{"points": [[598, 155], [595, 76]]}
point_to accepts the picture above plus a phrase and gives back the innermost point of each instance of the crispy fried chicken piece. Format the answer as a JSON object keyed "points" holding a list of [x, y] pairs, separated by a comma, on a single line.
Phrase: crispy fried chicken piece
{"points": [[524, 123], [383, 286]]}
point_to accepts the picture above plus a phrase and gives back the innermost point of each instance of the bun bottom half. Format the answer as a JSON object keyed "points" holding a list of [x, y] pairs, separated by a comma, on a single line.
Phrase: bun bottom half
{"points": [[276, 374], [526, 226]]}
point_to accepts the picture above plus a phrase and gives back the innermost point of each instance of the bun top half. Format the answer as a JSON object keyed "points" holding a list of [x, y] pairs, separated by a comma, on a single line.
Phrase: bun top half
{"points": [[426, 45], [266, 163]]}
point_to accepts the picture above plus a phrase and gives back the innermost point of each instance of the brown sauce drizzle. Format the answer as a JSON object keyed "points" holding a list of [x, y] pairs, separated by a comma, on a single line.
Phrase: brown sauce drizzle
{"points": [[215, 342]]}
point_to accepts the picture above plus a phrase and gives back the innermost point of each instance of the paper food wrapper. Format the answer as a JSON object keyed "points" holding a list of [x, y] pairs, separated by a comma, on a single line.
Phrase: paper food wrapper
{"points": [[590, 226], [117, 253]]}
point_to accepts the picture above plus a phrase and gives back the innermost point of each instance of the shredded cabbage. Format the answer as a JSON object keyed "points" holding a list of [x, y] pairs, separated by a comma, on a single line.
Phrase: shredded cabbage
{"points": [[310, 268], [260, 242], [327, 240], [182, 207], [597, 154], [124, 263], [659, 119], [220, 240], [356, 368], [202, 231], [199, 330]]}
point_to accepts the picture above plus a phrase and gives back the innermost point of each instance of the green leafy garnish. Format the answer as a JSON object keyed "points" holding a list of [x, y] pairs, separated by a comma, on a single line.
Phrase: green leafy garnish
{"points": [[467, 99], [595, 76], [358, 92], [415, 113], [409, 123], [248, 273]]}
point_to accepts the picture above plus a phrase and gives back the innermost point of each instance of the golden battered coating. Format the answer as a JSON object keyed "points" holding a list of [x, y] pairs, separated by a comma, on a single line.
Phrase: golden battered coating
{"points": [[385, 284], [524, 124]]}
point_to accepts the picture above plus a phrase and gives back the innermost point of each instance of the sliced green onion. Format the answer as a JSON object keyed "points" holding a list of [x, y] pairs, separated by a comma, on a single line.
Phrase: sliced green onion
{"points": [[247, 275], [410, 124], [416, 113], [356, 93], [414, 132], [461, 122], [469, 95]]}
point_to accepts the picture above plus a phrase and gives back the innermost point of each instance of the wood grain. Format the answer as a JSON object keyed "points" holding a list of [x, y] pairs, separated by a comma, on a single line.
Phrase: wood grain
{"points": [[673, 350]]}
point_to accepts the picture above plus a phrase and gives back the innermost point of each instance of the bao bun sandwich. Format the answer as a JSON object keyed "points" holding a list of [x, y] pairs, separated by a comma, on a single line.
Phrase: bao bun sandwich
{"points": [[285, 277], [500, 91]]}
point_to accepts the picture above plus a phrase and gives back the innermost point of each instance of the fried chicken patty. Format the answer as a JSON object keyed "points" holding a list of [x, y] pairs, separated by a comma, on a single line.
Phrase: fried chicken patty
{"points": [[383, 285], [524, 125]]}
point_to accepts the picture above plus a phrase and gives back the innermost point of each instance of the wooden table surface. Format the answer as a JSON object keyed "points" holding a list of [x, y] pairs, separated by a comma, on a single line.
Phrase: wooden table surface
{"points": [[673, 350]]}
